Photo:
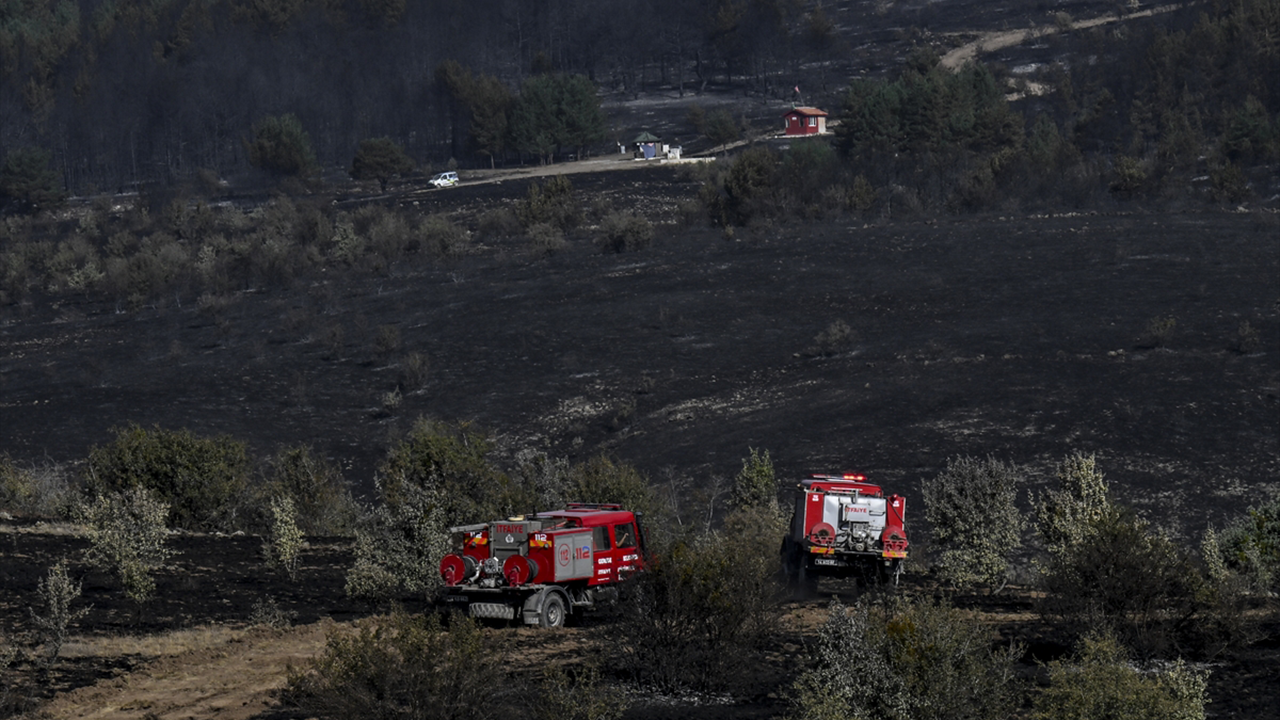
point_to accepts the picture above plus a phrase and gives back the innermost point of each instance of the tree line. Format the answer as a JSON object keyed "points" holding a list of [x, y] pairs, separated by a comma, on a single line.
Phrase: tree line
{"points": [[150, 90]]}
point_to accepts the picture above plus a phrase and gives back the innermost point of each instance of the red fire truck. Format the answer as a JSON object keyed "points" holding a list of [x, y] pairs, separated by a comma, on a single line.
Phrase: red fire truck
{"points": [[539, 568], [844, 526]]}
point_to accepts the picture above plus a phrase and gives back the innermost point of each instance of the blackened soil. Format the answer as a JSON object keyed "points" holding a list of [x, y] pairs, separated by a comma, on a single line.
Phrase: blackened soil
{"points": [[1024, 338]]}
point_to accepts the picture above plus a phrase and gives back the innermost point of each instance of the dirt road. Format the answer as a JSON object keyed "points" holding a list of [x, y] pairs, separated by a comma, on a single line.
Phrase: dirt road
{"points": [[993, 41], [233, 676]]}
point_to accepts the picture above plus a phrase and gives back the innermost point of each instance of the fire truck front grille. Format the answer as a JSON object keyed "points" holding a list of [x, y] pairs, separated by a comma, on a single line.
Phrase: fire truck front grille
{"points": [[492, 611]]}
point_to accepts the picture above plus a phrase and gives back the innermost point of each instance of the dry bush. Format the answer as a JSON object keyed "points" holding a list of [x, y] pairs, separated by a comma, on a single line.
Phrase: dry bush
{"points": [[443, 238], [837, 337], [268, 613], [43, 491], [414, 370], [403, 667], [499, 223], [625, 232], [1159, 332], [546, 239]]}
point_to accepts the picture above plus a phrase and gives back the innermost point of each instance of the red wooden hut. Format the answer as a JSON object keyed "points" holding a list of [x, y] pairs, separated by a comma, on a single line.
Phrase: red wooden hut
{"points": [[804, 121]]}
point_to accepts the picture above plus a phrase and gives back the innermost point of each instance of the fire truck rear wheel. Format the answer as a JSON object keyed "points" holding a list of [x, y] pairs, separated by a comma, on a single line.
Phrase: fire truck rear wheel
{"points": [[553, 612]]}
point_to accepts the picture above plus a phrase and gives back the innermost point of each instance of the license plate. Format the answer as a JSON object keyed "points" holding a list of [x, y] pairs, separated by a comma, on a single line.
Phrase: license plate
{"points": [[825, 561]]}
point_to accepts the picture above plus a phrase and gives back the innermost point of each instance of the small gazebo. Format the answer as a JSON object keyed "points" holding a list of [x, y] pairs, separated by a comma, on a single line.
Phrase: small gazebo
{"points": [[647, 143]]}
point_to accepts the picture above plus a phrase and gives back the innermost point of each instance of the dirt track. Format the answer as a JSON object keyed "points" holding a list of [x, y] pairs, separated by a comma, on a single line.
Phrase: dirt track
{"points": [[233, 677]]}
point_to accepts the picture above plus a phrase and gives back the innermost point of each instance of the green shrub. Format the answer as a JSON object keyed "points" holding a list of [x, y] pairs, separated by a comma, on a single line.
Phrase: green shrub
{"points": [[1064, 516], [1126, 579], [453, 461], [1099, 683], [403, 667], [972, 506], [904, 659], [755, 484], [1128, 176], [625, 232], [57, 591], [552, 202], [321, 498], [280, 146], [694, 619], [282, 547], [1251, 547], [602, 480], [201, 479], [399, 546], [127, 536], [499, 223], [442, 238]]}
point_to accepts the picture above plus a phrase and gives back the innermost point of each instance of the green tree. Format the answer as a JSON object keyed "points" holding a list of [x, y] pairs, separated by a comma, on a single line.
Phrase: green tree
{"points": [[490, 103], [28, 182], [281, 146], [380, 159], [720, 127], [554, 111], [201, 479], [602, 480], [972, 505]]}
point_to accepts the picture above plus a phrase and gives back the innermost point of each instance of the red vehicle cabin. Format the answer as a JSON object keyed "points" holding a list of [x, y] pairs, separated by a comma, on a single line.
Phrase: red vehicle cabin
{"points": [[804, 121]]}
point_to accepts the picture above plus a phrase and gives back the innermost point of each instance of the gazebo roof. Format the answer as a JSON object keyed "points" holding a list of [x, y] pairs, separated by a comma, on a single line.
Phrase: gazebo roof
{"points": [[646, 137]]}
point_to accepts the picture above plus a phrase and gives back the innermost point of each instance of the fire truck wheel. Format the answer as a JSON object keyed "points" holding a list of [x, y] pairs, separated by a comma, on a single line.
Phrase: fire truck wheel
{"points": [[553, 611], [807, 581]]}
